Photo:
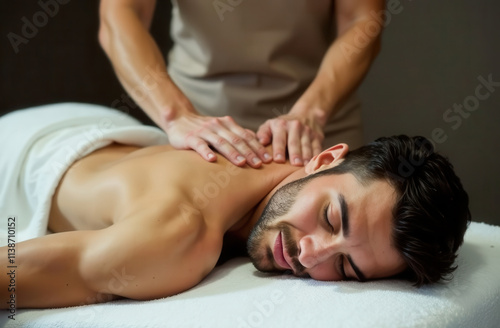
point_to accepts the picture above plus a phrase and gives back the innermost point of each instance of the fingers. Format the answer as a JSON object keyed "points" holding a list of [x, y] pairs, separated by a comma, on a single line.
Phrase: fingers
{"points": [[306, 144], [245, 142], [300, 139], [294, 142], [279, 130], [225, 148], [259, 148], [240, 146], [316, 146], [202, 148], [302, 143], [264, 133]]}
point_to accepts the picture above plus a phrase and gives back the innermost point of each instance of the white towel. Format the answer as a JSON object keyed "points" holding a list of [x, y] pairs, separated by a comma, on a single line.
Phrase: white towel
{"points": [[235, 295], [39, 144]]}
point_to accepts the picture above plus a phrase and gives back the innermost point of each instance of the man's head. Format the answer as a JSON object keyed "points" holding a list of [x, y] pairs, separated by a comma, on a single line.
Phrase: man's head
{"points": [[391, 207]]}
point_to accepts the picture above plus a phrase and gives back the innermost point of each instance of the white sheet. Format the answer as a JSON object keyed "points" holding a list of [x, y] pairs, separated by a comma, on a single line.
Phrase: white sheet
{"points": [[235, 295]]}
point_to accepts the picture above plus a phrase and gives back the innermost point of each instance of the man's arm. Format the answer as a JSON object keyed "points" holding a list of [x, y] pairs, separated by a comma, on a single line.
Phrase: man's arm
{"points": [[342, 69], [136, 258], [140, 67], [137, 60], [348, 59]]}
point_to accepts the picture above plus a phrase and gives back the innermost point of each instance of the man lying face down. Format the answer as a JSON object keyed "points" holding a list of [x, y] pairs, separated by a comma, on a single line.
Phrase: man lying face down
{"points": [[392, 207], [158, 219]]}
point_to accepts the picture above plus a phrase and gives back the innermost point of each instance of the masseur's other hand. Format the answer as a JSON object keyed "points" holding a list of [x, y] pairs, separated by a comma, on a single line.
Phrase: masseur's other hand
{"points": [[240, 146], [302, 135]]}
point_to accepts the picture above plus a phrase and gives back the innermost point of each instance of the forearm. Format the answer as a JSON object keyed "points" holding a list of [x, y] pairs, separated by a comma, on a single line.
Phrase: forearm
{"points": [[343, 68], [46, 273], [139, 64]]}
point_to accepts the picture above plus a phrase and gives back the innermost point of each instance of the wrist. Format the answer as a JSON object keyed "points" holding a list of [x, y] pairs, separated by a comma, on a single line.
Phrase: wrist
{"points": [[170, 104], [311, 111], [172, 112], [318, 101]]}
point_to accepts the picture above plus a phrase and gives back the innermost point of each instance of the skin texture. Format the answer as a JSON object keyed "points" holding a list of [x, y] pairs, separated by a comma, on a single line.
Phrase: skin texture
{"points": [[126, 231], [313, 247], [138, 63]]}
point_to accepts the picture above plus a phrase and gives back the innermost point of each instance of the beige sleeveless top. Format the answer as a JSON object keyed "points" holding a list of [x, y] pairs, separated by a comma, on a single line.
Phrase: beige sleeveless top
{"points": [[252, 59]]}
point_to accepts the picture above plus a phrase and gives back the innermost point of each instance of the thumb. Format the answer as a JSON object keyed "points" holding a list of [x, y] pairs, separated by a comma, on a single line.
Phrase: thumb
{"points": [[264, 134]]}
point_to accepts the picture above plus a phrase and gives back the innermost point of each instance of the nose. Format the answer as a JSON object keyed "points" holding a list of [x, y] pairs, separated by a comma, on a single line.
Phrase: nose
{"points": [[315, 250]]}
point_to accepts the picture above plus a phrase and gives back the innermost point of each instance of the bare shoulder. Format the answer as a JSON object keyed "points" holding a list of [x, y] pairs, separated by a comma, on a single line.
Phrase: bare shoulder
{"points": [[160, 250]]}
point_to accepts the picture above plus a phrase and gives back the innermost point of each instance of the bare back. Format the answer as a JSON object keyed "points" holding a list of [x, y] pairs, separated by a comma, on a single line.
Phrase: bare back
{"points": [[113, 182], [116, 182], [155, 217]]}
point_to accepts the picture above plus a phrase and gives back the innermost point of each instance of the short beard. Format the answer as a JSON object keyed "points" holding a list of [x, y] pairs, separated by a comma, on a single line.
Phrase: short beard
{"points": [[279, 205]]}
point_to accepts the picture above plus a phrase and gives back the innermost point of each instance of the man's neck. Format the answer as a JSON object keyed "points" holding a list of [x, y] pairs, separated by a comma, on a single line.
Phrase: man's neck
{"points": [[276, 175]]}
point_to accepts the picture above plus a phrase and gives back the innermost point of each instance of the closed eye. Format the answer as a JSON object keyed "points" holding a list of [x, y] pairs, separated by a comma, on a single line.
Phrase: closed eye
{"points": [[325, 216], [341, 268]]}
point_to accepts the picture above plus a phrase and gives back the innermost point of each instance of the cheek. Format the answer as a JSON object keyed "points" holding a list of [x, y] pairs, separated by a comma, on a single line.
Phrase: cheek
{"points": [[325, 272], [304, 215]]}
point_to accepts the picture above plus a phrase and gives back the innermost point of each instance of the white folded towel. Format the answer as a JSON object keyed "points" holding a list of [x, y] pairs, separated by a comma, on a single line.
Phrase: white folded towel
{"points": [[39, 144]]}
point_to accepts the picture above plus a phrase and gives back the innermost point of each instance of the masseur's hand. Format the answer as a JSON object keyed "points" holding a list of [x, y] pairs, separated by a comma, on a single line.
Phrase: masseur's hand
{"points": [[141, 68], [300, 131], [200, 133]]}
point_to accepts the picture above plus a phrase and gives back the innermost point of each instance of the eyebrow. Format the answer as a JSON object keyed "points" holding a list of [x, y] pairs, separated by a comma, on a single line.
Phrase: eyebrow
{"points": [[344, 214]]}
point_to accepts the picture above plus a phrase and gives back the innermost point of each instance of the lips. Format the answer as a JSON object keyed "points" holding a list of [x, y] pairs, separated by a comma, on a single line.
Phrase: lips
{"points": [[278, 251]]}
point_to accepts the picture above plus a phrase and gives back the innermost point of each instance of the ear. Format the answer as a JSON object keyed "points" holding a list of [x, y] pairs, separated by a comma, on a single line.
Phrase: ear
{"points": [[327, 158]]}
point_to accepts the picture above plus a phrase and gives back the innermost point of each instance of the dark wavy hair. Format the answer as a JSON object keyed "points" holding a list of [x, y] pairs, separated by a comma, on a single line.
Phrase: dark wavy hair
{"points": [[431, 213]]}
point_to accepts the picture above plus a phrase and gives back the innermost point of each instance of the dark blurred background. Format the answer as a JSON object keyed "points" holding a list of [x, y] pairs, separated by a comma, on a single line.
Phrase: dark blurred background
{"points": [[63, 60], [433, 55]]}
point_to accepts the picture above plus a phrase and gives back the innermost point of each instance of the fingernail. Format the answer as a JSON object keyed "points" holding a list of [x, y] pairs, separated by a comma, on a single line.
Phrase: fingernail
{"points": [[297, 161], [256, 161], [267, 156], [240, 158], [211, 156], [279, 157]]}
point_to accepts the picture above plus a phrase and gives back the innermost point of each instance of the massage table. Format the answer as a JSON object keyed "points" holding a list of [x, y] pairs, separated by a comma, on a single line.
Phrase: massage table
{"points": [[236, 295], [48, 139]]}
